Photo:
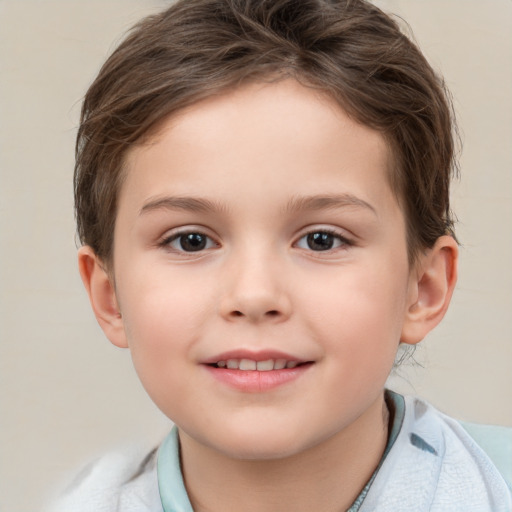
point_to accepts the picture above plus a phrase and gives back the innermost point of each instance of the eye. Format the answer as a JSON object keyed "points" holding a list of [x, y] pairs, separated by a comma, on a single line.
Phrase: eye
{"points": [[322, 240], [190, 241]]}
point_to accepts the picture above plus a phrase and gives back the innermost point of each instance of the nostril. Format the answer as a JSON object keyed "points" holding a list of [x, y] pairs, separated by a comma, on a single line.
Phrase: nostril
{"points": [[256, 314]]}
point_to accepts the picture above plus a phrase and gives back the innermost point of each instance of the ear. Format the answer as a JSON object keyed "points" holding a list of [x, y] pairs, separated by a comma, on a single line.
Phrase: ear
{"points": [[102, 296], [431, 287]]}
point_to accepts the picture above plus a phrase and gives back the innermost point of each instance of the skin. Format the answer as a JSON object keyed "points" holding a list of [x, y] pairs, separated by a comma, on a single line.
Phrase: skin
{"points": [[271, 164]]}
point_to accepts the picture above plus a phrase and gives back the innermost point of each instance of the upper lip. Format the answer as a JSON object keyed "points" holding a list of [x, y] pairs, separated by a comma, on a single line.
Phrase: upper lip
{"points": [[253, 355]]}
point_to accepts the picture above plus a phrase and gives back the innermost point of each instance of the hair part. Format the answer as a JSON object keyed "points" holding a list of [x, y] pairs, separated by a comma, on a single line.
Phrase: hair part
{"points": [[196, 49]]}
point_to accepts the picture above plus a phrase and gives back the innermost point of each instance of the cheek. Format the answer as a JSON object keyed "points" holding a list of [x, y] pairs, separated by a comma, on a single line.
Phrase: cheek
{"points": [[160, 329], [359, 310], [159, 306], [161, 324]]}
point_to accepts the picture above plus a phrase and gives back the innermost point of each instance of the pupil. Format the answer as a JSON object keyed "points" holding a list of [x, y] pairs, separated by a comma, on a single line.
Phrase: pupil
{"points": [[320, 241], [193, 242]]}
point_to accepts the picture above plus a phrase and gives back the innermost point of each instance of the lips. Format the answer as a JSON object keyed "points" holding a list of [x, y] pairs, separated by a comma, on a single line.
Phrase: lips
{"points": [[251, 364], [262, 360], [256, 372]]}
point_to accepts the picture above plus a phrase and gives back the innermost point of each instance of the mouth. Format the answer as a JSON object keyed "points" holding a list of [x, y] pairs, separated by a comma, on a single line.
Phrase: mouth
{"points": [[260, 366], [257, 372]]}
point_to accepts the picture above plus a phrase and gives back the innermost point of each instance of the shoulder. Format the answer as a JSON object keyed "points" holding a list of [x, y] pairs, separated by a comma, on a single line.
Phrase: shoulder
{"points": [[123, 481], [473, 458], [496, 442], [485, 443], [434, 464]]}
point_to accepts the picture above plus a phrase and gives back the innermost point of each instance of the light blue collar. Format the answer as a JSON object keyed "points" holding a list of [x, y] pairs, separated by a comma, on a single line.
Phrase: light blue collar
{"points": [[170, 480]]}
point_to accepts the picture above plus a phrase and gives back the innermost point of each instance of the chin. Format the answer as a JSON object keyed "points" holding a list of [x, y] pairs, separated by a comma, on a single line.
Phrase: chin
{"points": [[259, 444], [258, 452]]}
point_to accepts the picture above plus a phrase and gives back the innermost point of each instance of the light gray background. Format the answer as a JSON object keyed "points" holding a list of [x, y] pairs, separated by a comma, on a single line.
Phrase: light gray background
{"points": [[66, 394]]}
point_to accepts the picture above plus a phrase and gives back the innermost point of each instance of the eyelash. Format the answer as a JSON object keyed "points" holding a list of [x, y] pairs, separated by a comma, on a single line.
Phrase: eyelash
{"points": [[343, 242], [179, 236]]}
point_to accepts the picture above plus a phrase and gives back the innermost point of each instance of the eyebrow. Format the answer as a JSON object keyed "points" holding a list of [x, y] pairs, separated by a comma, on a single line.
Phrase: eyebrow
{"points": [[295, 204], [322, 202], [192, 204]]}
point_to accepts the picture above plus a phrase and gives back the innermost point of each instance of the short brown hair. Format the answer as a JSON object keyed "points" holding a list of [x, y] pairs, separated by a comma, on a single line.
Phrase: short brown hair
{"points": [[198, 48]]}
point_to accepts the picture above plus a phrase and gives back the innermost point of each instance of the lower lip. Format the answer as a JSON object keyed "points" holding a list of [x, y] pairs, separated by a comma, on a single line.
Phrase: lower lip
{"points": [[254, 381]]}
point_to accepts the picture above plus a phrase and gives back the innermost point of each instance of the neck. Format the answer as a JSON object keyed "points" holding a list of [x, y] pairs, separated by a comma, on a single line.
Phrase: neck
{"points": [[326, 477]]}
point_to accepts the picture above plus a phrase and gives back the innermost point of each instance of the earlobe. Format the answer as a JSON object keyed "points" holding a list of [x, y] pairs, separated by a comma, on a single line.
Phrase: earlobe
{"points": [[102, 296], [431, 290]]}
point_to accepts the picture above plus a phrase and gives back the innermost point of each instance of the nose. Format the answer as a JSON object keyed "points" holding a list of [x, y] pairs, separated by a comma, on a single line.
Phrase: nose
{"points": [[255, 290]]}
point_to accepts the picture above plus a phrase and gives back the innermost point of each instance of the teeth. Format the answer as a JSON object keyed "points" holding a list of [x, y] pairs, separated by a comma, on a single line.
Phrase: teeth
{"points": [[247, 364], [265, 366], [279, 364], [262, 366]]}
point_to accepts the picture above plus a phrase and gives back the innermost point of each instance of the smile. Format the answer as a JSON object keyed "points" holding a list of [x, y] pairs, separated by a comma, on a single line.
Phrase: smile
{"points": [[261, 366], [256, 372]]}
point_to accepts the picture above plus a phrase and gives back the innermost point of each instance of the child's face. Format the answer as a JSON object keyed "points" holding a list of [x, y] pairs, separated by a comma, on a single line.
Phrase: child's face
{"points": [[260, 225]]}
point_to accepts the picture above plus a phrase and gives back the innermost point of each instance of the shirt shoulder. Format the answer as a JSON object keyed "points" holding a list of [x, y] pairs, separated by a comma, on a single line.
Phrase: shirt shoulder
{"points": [[436, 465], [123, 482], [496, 442]]}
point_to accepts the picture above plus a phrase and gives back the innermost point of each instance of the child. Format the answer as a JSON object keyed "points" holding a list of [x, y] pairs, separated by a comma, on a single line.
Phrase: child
{"points": [[262, 194]]}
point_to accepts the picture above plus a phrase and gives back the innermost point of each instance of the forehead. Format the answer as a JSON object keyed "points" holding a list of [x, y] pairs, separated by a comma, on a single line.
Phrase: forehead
{"points": [[279, 136]]}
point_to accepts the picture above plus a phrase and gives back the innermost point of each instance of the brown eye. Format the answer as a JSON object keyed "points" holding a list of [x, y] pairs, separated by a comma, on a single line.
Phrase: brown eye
{"points": [[192, 242], [322, 241], [189, 242]]}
